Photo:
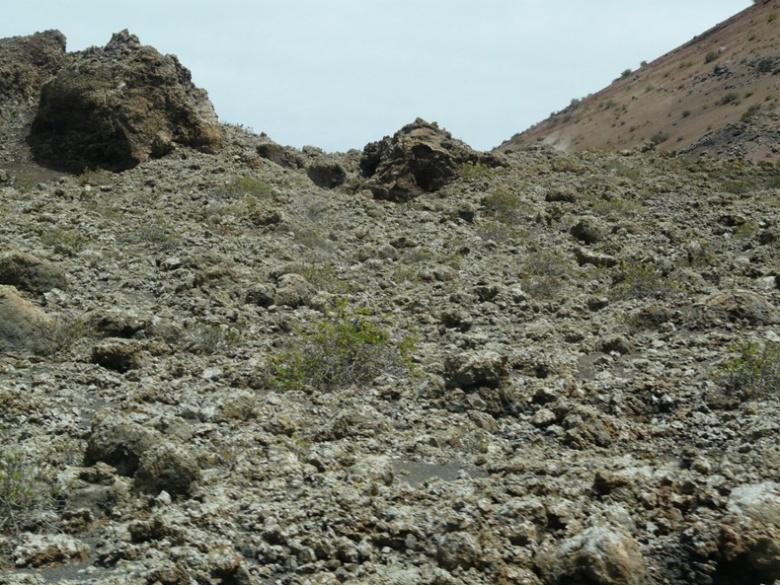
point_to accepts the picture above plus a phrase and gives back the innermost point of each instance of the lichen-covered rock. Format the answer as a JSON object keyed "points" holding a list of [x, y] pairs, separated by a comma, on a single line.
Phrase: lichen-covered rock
{"points": [[167, 467], [117, 106], [736, 306], [598, 556], [23, 326], [749, 541], [119, 442], [458, 549], [26, 272], [38, 550], [293, 290], [476, 369], [419, 158]]}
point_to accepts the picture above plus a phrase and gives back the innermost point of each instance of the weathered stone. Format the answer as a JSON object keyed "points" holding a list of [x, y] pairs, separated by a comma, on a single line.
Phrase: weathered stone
{"points": [[26, 272], [419, 158], [119, 442], [284, 157], [293, 290], [117, 106], [598, 556], [38, 550], [585, 256], [167, 467], [458, 549], [476, 369], [587, 231], [737, 306], [23, 326]]}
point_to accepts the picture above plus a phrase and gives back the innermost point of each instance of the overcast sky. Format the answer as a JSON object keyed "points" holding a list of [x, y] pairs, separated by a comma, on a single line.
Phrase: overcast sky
{"points": [[341, 73]]}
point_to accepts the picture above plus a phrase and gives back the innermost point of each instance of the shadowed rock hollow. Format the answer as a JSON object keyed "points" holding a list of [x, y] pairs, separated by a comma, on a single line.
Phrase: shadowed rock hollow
{"points": [[117, 106]]}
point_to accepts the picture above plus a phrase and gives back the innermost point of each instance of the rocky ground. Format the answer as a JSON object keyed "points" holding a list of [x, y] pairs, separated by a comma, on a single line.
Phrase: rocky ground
{"points": [[571, 412]]}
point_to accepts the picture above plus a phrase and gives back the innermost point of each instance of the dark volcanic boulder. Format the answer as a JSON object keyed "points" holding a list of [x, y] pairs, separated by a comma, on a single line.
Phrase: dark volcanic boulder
{"points": [[117, 106], [419, 158], [327, 175], [281, 155]]}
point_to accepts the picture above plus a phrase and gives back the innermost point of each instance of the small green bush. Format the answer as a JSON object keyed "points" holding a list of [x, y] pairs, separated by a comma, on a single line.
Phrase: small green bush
{"points": [[755, 371], [24, 495], [474, 170], [248, 186], [504, 205], [641, 281], [711, 56], [343, 348], [729, 98]]}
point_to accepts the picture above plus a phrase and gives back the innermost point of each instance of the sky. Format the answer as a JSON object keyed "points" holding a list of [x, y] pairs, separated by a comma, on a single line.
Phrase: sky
{"points": [[341, 73]]}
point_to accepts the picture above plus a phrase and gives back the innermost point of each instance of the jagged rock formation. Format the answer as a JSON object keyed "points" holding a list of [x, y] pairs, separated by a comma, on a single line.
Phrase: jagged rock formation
{"points": [[117, 106], [26, 63], [419, 158]]}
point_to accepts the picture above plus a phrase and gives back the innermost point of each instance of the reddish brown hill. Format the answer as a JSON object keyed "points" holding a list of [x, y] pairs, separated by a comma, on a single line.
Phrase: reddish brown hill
{"points": [[717, 94]]}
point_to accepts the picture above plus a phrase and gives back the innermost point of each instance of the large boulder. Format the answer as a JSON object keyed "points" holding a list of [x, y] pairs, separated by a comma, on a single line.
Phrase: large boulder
{"points": [[23, 326], [117, 106], [419, 158], [26, 272], [598, 556]]}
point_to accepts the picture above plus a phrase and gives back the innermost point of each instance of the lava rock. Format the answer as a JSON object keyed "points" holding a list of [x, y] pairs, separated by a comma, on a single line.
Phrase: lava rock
{"points": [[282, 156], [23, 326], [587, 231], [327, 175], [598, 556], [419, 158], [26, 272], [167, 467], [26, 63], [117, 106], [119, 442], [458, 549], [476, 369], [120, 355]]}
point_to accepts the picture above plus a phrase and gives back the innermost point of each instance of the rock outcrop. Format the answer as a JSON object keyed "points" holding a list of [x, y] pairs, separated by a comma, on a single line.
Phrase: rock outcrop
{"points": [[117, 106], [419, 158], [26, 63]]}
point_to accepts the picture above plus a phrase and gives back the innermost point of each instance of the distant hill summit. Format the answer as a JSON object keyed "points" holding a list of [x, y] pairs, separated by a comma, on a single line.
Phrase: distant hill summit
{"points": [[717, 94]]}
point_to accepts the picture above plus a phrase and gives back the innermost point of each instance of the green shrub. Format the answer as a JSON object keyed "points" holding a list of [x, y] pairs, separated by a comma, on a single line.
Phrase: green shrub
{"points": [[64, 241], [711, 56], [729, 98], [343, 348], [503, 205], [544, 273], [248, 186], [24, 494], [474, 170], [755, 371], [641, 281], [659, 138]]}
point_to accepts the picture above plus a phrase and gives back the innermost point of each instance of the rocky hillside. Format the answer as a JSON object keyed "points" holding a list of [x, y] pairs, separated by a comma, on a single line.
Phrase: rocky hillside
{"points": [[239, 363], [716, 95]]}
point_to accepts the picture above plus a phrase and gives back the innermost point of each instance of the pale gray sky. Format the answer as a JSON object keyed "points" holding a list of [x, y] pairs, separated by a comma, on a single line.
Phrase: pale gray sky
{"points": [[340, 73]]}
